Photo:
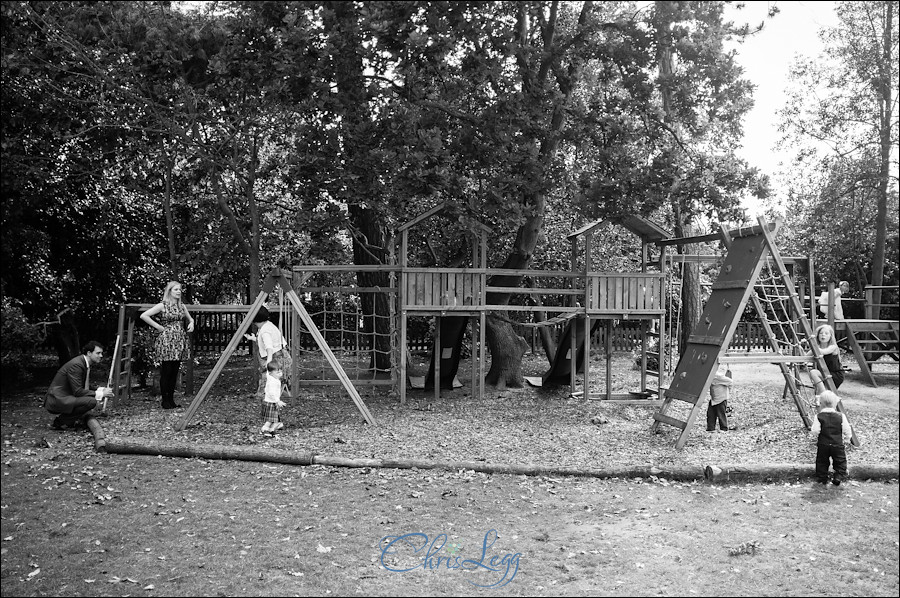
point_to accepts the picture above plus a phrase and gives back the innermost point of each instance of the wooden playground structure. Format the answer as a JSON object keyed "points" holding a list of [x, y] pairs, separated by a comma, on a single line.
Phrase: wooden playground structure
{"points": [[871, 337], [328, 323]]}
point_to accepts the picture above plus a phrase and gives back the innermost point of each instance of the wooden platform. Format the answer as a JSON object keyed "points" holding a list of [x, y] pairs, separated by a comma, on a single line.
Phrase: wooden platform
{"points": [[870, 340]]}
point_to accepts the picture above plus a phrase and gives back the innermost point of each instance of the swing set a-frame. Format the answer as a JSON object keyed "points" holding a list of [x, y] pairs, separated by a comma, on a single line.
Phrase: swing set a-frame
{"points": [[752, 270], [275, 278]]}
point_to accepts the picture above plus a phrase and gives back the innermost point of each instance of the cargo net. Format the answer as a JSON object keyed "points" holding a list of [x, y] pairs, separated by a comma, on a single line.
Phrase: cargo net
{"points": [[786, 335], [356, 322]]}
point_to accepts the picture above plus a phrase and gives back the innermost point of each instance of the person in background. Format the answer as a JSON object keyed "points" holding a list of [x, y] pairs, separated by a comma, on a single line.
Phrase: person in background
{"points": [[842, 289], [69, 396], [171, 346]]}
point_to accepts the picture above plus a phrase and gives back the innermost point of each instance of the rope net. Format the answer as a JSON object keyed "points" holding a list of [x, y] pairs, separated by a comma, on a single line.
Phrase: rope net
{"points": [[356, 324], [787, 335]]}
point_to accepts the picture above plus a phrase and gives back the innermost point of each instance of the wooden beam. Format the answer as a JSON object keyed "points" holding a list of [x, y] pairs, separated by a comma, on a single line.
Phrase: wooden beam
{"points": [[220, 364], [690, 240], [326, 350]]}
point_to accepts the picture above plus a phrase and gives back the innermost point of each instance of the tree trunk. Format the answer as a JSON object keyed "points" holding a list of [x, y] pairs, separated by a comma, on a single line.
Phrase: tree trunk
{"points": [[370, 235], [253, 256], [691, 305], [66, 338], [375, 306], [887, 110], [251, 249], [690, 281], [167, 208], [507, 349], [547, 342]]}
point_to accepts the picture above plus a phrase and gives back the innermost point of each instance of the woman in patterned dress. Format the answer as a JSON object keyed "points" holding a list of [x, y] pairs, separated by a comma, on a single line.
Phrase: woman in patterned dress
{"points": [[172, 344]]}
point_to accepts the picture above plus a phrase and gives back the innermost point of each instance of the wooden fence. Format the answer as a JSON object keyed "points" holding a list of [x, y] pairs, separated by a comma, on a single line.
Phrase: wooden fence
{"points": [[213, 330]]}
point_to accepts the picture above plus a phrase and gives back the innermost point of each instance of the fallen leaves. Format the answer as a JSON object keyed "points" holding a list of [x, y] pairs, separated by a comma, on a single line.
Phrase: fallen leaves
{"points": [[750, 548]]}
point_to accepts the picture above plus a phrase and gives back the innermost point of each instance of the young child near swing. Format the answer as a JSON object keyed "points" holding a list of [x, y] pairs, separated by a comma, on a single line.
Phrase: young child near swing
{"points": [[830, 353], [272, 400]]}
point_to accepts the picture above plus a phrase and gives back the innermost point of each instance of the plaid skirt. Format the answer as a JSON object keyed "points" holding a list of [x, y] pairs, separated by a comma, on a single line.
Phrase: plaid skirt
{"points": [[270, 412]]}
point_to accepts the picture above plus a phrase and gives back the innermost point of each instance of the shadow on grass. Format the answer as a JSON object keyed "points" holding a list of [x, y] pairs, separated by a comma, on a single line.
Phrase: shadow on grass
{"points": [[823, 493]]}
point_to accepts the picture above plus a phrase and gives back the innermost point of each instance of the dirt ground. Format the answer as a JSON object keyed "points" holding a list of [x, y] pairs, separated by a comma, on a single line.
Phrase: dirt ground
{"points": [[77, 522], [855, 393]]}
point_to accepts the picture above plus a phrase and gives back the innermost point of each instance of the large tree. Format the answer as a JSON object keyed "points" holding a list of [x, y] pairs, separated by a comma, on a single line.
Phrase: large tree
{"points": [[845, 136], [555, 102]]}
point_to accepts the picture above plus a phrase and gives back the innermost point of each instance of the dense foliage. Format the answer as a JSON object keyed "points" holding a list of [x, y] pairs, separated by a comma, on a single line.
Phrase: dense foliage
{"points": [[842, 122], [144, 142]]}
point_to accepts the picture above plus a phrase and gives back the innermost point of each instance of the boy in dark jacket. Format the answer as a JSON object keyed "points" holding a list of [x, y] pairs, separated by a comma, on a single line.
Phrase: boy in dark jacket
{"points": [[832, 430]]}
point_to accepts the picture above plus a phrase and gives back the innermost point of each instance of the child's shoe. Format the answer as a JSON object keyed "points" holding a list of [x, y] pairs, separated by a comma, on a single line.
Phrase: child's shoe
{"points": [[279, 425], [267, 428]]}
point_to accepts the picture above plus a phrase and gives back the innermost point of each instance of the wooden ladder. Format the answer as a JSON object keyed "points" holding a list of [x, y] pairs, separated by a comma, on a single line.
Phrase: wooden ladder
{"points": [[122, 362]]}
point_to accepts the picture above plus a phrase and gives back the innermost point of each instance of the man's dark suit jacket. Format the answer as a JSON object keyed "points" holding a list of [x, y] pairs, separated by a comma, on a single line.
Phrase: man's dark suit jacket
{"points": [[67, 386]]}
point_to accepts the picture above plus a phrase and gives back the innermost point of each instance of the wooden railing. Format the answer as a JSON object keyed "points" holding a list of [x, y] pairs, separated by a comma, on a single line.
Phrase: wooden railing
{"points": [[448, 287], [889, 306], [630, 293]]}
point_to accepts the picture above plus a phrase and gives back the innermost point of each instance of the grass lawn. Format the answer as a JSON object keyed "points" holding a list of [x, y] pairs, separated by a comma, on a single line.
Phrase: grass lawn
{"points": [[76, 522]]}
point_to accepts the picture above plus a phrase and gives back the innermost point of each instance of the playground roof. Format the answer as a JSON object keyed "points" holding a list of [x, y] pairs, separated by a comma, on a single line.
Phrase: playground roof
{"points": [[647, 230], [471, 222]]}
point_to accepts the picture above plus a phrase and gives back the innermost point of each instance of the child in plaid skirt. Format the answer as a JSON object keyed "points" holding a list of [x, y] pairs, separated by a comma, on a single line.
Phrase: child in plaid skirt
{"points": [[272, 401]]}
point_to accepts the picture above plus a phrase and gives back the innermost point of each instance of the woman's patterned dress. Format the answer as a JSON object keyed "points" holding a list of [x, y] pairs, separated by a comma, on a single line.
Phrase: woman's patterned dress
{"points": [[172, 344]]}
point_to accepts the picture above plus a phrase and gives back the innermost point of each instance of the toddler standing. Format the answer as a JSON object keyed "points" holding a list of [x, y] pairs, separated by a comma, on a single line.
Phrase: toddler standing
{"points": [[272, 400], [719, 389], [832, 430]]}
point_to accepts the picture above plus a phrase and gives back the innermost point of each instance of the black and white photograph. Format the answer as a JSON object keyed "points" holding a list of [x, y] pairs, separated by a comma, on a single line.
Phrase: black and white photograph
{"points": [[450, 298]]}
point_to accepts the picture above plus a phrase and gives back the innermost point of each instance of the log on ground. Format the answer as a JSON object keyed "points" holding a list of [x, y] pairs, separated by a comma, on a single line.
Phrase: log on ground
{"points": [[686, 473], [791, 471], [97, 430], [138, 446]]}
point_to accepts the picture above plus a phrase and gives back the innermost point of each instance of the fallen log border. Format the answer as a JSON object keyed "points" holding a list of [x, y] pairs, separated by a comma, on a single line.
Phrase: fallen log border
{"points": [[759, 472], [685, 473], [97, 430]]}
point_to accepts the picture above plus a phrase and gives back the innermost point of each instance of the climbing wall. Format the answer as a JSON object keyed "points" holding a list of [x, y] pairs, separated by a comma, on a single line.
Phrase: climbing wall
{"points": [[697, 366]]}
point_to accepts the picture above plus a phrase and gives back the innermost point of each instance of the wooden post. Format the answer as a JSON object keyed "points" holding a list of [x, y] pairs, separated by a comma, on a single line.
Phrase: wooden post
{"points": [[438, 355], [401, 301], [609, 333], [116, 365], [829, 288], [189, 366], [127, 354]]}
